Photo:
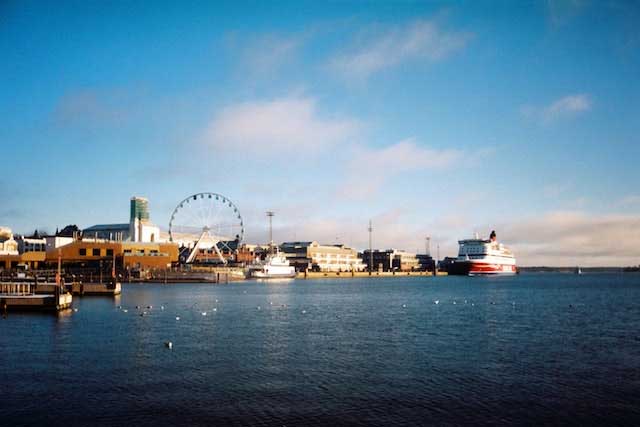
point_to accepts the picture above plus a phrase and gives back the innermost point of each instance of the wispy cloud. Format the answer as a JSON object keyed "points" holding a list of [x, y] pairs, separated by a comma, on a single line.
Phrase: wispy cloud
{"points": [[371, 167], [566, 107], [282, 123], [266, 53], [419, 40]]}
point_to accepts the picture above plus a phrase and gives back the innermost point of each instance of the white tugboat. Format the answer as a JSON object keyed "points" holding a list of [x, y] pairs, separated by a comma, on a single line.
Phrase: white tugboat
{"points": [[276, 266]]}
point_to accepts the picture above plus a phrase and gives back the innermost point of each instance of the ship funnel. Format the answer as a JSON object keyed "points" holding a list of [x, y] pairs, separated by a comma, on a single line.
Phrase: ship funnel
{"points": [[493, 236]]}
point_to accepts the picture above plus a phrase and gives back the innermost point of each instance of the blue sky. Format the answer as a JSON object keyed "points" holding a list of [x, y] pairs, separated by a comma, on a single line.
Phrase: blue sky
{"points": [[431, 119]]}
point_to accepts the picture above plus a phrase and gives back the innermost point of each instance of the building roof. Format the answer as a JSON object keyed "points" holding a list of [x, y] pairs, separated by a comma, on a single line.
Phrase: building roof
{"points": [[108, 227], [302, 244]]}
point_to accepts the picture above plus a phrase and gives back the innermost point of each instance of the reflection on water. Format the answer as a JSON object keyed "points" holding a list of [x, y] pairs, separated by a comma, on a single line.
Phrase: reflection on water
{"points": [[525, 349]]}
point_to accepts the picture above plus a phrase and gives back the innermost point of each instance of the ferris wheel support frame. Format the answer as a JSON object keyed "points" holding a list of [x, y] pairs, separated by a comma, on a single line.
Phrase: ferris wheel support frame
{"points": [[194, 251]]}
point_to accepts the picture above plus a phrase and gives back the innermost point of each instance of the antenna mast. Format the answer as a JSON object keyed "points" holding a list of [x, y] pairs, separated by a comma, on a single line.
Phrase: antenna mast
{"points": [[370, 229], [270, 214]]}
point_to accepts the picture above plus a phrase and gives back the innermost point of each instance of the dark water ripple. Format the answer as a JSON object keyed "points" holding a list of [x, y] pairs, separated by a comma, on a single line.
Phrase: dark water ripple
{"points": [[532, 349]]}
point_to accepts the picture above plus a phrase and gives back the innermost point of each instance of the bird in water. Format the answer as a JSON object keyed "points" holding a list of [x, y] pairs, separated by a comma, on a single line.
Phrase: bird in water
{"points": [[168, 344]]}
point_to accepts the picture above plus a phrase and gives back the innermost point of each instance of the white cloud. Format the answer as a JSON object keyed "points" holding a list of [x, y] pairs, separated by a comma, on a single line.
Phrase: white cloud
{"points": [[568, 106], [371, 167], [422, 39], [562, 108], [278, 124], [576, 238]]}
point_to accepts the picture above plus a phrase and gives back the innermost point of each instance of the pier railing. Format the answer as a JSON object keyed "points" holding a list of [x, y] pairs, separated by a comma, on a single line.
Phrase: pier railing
{"points": [[19, 288]]}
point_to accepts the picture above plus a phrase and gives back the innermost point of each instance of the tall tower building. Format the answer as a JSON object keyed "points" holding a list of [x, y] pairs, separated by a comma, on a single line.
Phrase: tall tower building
{"points": [[139, 209], [140, 228]]}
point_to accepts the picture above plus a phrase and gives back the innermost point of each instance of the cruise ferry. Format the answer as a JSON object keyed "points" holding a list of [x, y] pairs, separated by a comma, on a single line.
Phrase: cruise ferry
{"points": [[276, 266], [483, 257]]}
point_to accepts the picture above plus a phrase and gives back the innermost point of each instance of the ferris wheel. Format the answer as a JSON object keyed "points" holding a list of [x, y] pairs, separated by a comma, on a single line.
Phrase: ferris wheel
{"points": [[206, 220]]}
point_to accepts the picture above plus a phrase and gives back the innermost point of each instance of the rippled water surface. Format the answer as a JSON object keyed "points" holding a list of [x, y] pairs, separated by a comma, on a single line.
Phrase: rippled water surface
{"points": [[527, 349]]}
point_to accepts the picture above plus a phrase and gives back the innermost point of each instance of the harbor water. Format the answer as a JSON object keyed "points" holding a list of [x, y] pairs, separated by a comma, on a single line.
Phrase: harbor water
{"points": [[533, 348]]}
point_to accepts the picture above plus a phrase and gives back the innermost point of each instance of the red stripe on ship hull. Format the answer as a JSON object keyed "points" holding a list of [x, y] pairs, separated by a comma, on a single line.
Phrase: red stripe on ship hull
{"points": [[485, 268]]}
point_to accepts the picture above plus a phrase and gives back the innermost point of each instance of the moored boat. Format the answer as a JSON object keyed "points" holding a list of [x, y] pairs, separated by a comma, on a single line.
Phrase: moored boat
{"points": [[483, 257]]}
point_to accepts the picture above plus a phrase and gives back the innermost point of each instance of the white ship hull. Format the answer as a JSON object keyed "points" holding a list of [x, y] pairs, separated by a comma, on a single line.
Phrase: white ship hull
{"points": [[262, 275]]}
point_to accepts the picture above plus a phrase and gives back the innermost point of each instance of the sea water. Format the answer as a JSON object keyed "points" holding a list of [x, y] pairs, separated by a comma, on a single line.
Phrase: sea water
{"points": [[533, 348]]}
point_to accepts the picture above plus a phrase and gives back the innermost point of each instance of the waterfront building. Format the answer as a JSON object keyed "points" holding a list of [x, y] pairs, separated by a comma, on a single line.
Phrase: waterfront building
{"points": [[297, 254], [20, 252], [30, 244], [317, 257], [391, 260], [426, 262], [92, 253], [248, 253]]}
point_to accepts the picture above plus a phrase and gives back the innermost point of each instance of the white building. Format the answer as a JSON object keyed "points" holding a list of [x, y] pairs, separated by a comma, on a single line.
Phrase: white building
{"points": [[54, 242], [8, 246], [315, 256], [334, 258], [29, 244]]}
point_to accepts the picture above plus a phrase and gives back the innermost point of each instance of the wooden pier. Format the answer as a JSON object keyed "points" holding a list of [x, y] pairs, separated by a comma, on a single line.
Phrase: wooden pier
{"points": [[106, 289], [22, 296]]}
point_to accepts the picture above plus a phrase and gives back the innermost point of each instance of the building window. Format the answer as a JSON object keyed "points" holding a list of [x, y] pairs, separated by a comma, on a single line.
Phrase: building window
{"points": [[83, 252], [109, 252], [96, 252]]}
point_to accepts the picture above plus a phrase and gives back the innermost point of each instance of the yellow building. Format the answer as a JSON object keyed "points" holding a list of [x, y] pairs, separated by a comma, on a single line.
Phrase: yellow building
{"points": [[128, 255]]}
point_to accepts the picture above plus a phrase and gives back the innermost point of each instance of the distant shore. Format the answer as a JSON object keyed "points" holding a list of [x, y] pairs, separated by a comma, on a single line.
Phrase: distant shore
{"points": [[572, 270]]}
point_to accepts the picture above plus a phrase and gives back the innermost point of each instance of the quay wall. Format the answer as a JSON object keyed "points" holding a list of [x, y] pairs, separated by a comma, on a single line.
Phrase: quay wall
{"points": [[362, 274]]}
